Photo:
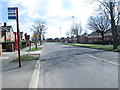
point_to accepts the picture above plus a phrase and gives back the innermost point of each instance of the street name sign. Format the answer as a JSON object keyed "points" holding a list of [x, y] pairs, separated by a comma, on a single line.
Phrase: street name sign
{"points": [[12, 13], [35, 35]]}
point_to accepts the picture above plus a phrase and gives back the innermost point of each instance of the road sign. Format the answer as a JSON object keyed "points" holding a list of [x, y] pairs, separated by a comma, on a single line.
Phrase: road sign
{"points": [[12, 13], [35, 35]]}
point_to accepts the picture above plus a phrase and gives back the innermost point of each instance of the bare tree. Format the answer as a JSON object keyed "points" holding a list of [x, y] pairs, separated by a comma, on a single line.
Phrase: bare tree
{"points": [[39, 27], [99, 24], [111, 10], [76, 30]]}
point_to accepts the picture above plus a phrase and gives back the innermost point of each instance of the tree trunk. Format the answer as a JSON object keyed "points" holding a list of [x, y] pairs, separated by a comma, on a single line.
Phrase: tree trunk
{"points": [[72, 39], [102, 34], [40, 37], [113, 27], [77, 39]]}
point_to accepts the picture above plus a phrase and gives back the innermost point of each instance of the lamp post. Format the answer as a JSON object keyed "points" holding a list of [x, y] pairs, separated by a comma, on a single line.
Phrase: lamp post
{"points": [[73, 26], [60, 31], [73, 21]]}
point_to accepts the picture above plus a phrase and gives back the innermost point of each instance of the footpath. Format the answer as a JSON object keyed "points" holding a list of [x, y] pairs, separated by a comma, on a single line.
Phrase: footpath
{"points": [[14, 77]]}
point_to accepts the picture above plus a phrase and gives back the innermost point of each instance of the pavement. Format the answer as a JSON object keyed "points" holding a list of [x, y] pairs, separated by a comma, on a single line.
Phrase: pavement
{"points": [[14, 77], [65, 66]]}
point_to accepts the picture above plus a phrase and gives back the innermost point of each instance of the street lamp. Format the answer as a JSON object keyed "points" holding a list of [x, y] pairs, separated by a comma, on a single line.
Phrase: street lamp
{"points": [[73, 21], [73, 26], [60, 31]]}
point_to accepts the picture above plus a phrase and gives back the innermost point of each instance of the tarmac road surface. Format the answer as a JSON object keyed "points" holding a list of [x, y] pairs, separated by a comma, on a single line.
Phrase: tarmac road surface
{"points": [[64, 66]]}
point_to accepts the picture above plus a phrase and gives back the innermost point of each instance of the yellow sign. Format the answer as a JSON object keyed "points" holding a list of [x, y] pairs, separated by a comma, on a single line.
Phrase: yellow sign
{"points": [[35, 35]]}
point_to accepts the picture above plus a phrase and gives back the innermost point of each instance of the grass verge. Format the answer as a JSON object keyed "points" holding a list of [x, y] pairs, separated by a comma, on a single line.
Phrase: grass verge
{"points": [[26, 58], [95, 46], [34, 49]]}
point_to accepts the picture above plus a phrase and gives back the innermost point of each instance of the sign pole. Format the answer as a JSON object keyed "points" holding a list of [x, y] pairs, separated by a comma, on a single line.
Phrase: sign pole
{"points": [[18, 35], [35, 35]]}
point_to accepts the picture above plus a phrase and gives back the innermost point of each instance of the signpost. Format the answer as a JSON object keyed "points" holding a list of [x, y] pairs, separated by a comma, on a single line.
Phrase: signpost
{"points": [[35, 35], [13, 15]]}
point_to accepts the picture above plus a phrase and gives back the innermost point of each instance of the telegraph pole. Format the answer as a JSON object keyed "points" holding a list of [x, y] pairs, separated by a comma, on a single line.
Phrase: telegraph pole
{"points": [[18, 35], [13, 15], [60, 31], [73, 27]]}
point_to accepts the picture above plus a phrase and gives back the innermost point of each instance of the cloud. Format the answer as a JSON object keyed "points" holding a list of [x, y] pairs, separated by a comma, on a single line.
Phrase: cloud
{"points": [[58, 13]]}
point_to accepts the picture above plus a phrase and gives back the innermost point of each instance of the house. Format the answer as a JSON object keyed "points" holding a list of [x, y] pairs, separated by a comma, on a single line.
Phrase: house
{"points": [[94, 36], [49, 39], [0, 43], [108, 35], [7, 33], [21, 36], [56, 40], [27, 37], [83, 38]]}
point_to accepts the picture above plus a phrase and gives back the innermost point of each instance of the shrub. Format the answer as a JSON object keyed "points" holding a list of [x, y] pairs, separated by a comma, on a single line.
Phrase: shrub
{"points": [[24, 42], [5, 43], [8, 42], [97, 42]]}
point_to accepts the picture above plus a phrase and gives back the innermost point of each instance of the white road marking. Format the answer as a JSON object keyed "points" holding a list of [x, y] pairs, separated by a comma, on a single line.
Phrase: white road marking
{"points": [[35, 76], [101, 59], [4, 57]]}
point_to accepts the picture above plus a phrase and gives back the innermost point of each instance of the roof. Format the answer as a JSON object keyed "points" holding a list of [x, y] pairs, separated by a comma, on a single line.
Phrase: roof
{"points": [[107, 31], [8, 28], [93, 33]]}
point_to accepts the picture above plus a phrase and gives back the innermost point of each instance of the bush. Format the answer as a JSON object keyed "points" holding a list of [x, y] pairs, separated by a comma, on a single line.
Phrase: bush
{"points": [[101, 42], [33, 41], [108, 42], [5, 43], [97, 42], [24, 42], [8, 42]]}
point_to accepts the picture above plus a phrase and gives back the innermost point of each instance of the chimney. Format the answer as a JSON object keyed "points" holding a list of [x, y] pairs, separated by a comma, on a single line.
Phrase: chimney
{"points": [[5, 25]]}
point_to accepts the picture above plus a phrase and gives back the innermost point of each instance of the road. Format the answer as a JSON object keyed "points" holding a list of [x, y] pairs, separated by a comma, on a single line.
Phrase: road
{"points": [[64, 66]]}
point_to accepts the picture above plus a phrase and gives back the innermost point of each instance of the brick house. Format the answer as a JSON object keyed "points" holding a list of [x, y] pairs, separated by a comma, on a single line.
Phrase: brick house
{"points": [[95, 36], [83, 38], [7, 33], [0, 43], [27, 37]]}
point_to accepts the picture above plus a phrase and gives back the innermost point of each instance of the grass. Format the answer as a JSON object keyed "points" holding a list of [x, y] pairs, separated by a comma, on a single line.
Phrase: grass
{"points": [[41, 44], [26, 58], [95, 46], [34, 49]]}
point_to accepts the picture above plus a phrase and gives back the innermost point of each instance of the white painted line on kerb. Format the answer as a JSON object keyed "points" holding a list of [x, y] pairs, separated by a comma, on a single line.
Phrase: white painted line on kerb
{"points": [[35, 76], [101, 59]]}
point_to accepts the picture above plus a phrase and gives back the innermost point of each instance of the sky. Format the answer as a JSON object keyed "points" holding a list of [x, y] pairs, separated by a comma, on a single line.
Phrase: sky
{"points": [[57, 13]]}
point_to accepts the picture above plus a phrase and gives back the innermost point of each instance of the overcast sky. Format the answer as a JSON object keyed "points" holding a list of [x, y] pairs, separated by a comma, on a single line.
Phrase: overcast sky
{"points": [[57, 13]]}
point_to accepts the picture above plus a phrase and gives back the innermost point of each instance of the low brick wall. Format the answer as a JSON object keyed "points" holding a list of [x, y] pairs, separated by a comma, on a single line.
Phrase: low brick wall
{"points": [[0, 50]]}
